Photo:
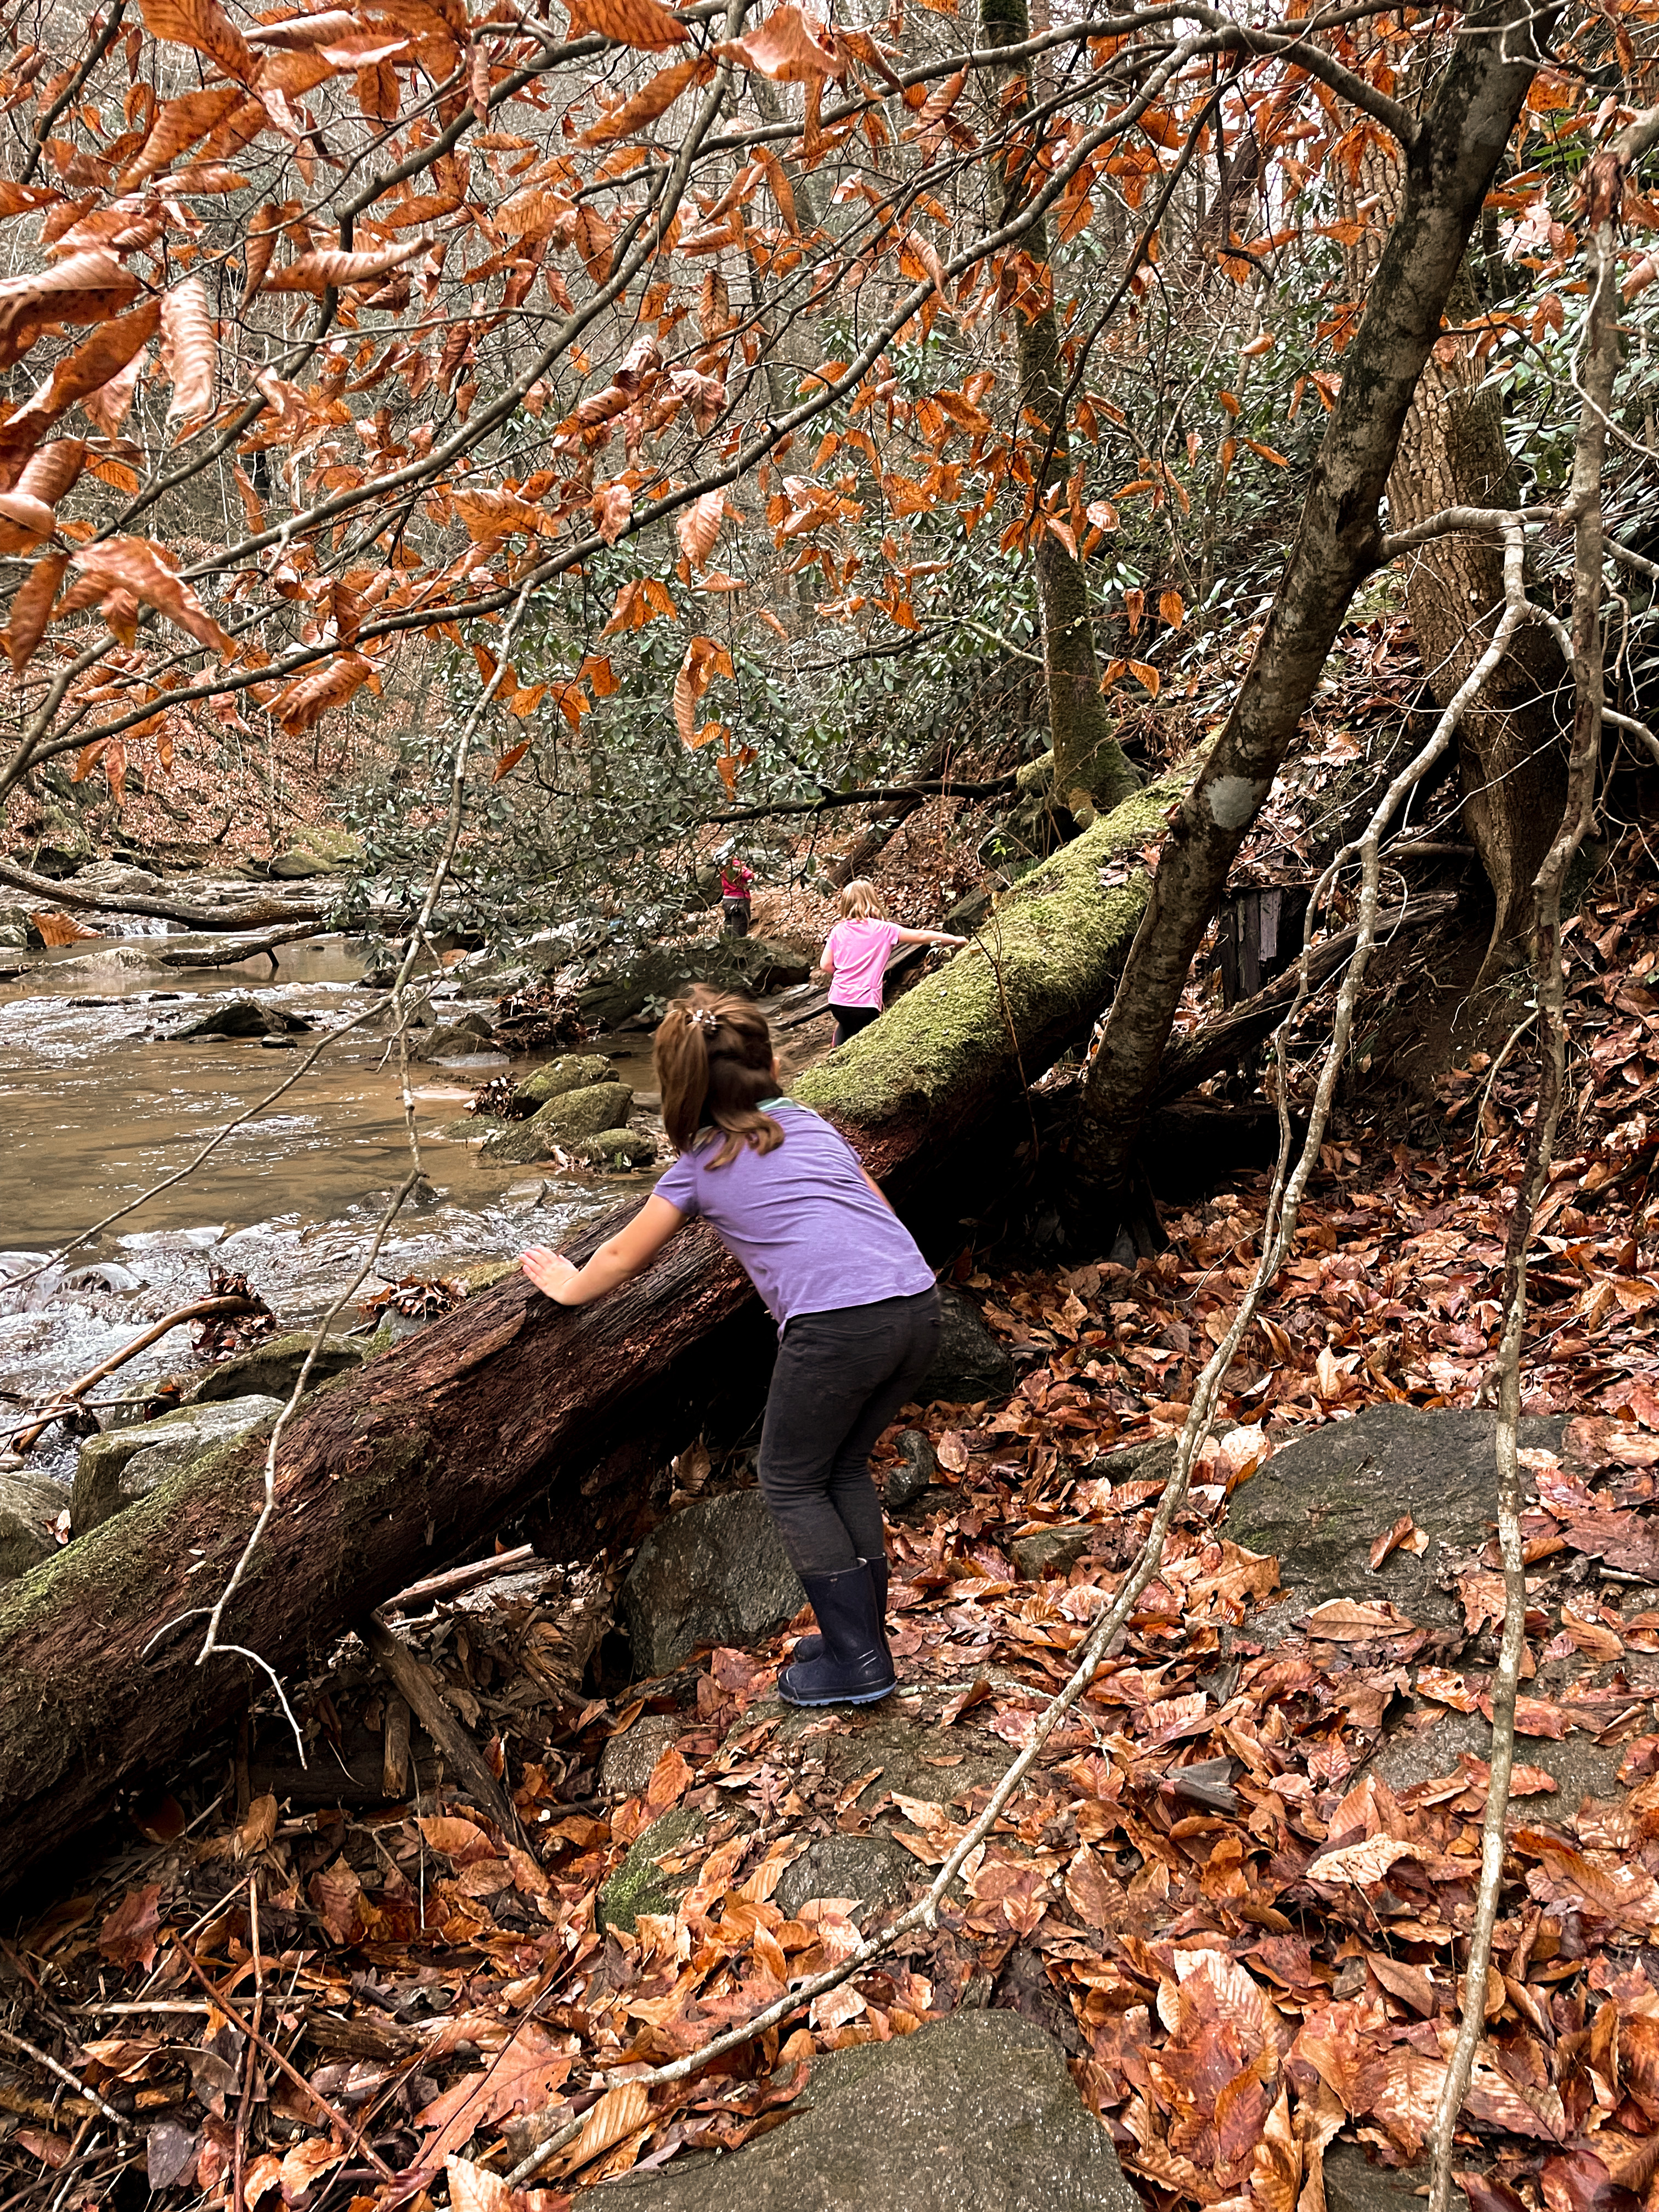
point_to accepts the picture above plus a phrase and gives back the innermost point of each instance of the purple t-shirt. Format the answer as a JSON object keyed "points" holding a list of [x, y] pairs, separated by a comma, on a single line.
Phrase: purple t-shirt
{"points": [[857, 950], [808, 1230]]}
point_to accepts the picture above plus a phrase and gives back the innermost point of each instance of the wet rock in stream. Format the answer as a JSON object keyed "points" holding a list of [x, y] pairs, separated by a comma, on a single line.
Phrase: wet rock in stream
{"points": [[571, 1071], [245, 1018], [29, 1506], [270, 1369], [561, 1125], [116, 1470]]}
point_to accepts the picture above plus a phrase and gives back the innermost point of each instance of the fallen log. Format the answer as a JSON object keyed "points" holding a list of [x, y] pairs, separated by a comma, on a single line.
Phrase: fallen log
{"points": [[227, 954], [240, 914], [511, 1402]]}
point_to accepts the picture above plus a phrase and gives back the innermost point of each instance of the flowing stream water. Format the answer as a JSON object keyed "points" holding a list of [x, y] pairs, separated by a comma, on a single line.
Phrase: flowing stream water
{"points": [[100, 1100]]}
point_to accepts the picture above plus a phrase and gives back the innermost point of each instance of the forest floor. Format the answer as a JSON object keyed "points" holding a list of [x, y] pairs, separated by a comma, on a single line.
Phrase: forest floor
{"points": [[355, 2006]]}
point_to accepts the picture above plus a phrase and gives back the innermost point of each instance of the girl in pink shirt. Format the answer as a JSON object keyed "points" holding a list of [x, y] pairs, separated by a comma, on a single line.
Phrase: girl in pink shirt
{"points": [[857, 954]]}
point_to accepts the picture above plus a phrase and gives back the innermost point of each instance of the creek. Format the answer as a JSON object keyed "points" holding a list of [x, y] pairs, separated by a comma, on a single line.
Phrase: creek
{"points": [[100, 1100]]}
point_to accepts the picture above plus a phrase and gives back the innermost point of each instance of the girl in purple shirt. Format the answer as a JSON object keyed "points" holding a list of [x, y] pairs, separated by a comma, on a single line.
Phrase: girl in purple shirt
{"points": [[853, 1299], [857, 953]]}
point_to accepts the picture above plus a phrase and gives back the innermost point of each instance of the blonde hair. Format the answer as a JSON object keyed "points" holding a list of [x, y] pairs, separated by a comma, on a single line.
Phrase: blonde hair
{"points": [[861, 901], [714, 1058]]}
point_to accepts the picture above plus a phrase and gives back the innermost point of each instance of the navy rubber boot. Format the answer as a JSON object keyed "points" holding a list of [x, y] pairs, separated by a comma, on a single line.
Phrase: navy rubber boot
{"points": [[856, 1666], [812, 1647]]}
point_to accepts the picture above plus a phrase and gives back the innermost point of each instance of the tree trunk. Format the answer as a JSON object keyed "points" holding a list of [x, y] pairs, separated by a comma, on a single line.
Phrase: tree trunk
{"points": [[1091, 767], [1449, 164], [512, 1401], [1511, 761]]}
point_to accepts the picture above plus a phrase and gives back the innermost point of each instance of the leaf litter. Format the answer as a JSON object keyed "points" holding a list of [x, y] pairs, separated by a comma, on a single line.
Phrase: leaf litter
{"points": [[1246, 1940]]}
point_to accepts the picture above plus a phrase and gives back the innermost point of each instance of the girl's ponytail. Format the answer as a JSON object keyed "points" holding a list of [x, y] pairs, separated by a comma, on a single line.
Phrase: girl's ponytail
{"points": [[715, 1064]]}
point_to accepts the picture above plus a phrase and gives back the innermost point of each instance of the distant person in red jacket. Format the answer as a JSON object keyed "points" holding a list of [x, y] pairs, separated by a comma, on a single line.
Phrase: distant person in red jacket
{"points": [[736, 888]]}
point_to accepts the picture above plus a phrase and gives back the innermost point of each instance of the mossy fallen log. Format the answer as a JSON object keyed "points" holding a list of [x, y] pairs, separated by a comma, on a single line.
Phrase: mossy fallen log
{"points": [[511, 1402]]}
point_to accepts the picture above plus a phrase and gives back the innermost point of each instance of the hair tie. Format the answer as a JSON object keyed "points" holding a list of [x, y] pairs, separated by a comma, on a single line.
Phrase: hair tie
{"points": [[704, 1017]]}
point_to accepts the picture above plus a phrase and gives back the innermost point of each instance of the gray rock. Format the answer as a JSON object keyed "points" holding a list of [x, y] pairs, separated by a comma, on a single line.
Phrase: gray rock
{"points": [[715, 1572], [561, 1125], [971, 1364], [458, 1040], [29, 1507], [626, 1762], [975, 2113], [1352, 2184], [1053, 1551], [1320, 1502], [628, 1148], [917, 1464], [271, 1369], [1578, 1766], [245, 1018], [116, 1471], [871, 1869], [638, 1884], [321, 849], [752, 965], [571, 1071]]}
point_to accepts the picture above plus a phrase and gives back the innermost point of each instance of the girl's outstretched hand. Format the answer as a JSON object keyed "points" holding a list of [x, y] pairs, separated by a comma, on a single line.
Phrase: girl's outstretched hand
{"points": [[548, 1271]]}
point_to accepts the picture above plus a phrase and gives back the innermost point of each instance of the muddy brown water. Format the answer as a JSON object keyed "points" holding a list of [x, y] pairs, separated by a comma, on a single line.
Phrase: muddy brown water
{"points": [[98, 1101]]}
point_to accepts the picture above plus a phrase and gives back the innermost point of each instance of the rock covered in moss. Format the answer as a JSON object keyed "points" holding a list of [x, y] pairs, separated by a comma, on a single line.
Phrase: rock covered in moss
{"points": [[271, 1369], [571, 1071], [638, 1884], [115, 1471], [626, 1148], [29, 1506], [562, 1124]]}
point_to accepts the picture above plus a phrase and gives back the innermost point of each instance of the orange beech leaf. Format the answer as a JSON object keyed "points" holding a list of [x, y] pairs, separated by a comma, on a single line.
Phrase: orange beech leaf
{"points": [[84, 288], [1146, 675], [511, 758], [102, 372], [304, 702], [31, 519], [698, 527], [656, 97], [597, 672], [317, 272], [525, 700], [1266, 452], [190, 351], [1173, 608], [203, 26], [180, 123], [642, 23], [765, 615], [31, 609], [619, 2113], [611, 506], [788, 47], [298, 32], [782, 190], [705, 659], [1263, 344], [939, 102], [137, 566]]}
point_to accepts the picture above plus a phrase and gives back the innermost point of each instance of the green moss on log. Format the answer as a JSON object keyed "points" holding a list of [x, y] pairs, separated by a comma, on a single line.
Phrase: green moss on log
{"points": [[1042, 963]]}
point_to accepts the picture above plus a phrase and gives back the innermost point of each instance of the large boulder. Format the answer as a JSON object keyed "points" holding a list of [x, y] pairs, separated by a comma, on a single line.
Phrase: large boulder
{"points": [[117, 1470], [756, 965], [971, 1364], [465, 1038], [1322, 1500], [321, 849], [29, 1507], [244, 1016], [270, 1369], [715, 1572], [561, 1125], [571, 1071], [975, 2113], [618, 1148]]}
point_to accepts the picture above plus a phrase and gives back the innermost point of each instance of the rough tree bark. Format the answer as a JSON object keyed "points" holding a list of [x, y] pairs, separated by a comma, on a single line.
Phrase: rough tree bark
{"points": [[1450, 159], [1090, 768], [1511, 760], [512, 1402]]}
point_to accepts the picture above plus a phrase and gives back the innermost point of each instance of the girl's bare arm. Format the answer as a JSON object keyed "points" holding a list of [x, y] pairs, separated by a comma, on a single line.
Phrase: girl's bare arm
{"points": [[631, 1249], [929, 937]]}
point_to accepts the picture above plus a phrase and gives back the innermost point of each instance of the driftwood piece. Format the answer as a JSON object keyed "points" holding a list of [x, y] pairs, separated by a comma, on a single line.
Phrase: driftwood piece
{"points": [[461, 1755], [249, 948], [68, 1397], [238, 915]]}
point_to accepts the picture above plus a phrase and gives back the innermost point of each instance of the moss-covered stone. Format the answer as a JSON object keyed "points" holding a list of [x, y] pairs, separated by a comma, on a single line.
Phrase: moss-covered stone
{"points": [[483, 1272], [638, 1884], [1038, 973], [561, 1125], [114, 1471], [271, 1369], [571, 1071], [618, 1147], [29, 1506]]}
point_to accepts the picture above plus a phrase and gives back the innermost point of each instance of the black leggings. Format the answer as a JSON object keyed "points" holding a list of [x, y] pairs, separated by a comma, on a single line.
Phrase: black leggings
{"points": [[849, 1020], [840, 1379]]}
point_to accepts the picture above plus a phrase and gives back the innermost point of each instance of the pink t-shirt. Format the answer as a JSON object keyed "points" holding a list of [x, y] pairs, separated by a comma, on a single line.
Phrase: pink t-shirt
{"points": [[857, 952]]}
